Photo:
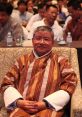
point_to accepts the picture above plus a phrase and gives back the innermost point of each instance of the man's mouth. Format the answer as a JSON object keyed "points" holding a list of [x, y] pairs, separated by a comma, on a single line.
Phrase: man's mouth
{"points": [[41, 46]]}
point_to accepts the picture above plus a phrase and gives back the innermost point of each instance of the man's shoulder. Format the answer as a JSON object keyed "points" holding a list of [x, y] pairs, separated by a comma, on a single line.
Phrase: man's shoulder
{"points": [[58, 56], [38, 22], [36, 16], [25, 57]]}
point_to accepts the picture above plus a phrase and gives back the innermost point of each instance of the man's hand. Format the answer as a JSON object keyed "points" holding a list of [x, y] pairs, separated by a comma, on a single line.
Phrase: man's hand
{"points": [[41, 105], [31, 106]]}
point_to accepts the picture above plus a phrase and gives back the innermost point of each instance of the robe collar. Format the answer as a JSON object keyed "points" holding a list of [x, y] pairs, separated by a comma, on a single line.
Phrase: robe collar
{"points": [[37, 57]]}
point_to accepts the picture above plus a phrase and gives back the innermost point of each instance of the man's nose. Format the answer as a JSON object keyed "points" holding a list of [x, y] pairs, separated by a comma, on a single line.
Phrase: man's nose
{"points": [[42, 40], [54, 14]]}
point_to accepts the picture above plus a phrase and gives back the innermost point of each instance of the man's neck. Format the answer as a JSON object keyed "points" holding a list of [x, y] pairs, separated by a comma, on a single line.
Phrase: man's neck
{"points": [[37, 56]]}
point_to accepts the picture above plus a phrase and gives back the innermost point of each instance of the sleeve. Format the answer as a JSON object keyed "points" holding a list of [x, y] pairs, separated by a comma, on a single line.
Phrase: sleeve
{"points": [[10, 83], [11, 95], [58, 99], [12, 77], [68, 76]]}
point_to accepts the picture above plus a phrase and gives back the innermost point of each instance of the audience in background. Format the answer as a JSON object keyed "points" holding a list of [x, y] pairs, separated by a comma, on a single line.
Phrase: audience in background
{"points": [[75, 24], [30, 14], [30, 6], [37, 17], [14, 3], [49, 19], [21, 15], [63, 11], [8, 24]]}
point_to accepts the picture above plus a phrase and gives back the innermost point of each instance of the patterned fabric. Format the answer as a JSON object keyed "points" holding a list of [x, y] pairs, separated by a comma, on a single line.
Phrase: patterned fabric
{"points": [[8, 57], [37, 78]]}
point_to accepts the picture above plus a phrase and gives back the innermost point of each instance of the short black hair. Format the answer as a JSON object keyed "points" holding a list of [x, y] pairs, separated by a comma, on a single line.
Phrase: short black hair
{"points": [[6, 7], [21, 2], [40, 6], [50, 5]]}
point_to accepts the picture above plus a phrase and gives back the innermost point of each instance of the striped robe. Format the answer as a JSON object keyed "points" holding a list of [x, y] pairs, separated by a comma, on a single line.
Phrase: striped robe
{"points": [[36, 78]]}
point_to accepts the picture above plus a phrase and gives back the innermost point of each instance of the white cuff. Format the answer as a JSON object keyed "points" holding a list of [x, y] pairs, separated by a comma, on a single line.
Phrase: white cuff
{"points": [[58, 99], [10, 95]]}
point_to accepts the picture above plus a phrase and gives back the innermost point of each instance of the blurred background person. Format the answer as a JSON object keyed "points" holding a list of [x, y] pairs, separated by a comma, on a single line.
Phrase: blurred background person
{"points": [[8, 24], [14, 3], [75, 24], [63, 11], [51, 12], [30, 6], [21, 15], [37, 17]]}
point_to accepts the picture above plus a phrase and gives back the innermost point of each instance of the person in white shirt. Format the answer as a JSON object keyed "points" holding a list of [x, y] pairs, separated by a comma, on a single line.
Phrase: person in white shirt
{"points": [[49, 20], [37, 17], [21, 15], [30, 6]]}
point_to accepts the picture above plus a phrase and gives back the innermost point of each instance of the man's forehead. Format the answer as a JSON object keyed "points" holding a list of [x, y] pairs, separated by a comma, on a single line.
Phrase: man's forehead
{"points": [[40, 32]]}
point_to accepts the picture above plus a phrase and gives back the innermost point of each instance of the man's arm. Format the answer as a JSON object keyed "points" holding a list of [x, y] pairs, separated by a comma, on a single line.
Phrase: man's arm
{"points": [[57, 100], [60, 98], [11, 81], [11, 95]]}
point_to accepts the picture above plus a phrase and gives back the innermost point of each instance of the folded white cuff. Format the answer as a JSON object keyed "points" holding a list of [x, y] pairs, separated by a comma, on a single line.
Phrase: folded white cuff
{"points": [[58, 99], [10, 95]]}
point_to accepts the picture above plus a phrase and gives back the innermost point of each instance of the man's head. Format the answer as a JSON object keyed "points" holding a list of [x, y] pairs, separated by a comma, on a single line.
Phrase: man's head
{"points": [[43, 40], [60, 2], [5, 12], [21, 6], [30, 5], [51, 14], [74, 9], [41, 10]]}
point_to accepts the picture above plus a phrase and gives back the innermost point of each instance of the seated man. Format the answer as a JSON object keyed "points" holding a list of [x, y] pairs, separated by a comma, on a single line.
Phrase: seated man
{"points": [[41, 82], [8, 24]]}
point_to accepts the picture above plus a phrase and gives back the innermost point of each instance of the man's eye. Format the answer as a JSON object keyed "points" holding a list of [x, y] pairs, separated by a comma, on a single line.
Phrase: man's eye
{"points": [[37, 37], [46, 38]]}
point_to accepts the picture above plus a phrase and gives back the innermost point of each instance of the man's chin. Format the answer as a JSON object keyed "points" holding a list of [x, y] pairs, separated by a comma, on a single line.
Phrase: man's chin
{"points": [[41, 53]]}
